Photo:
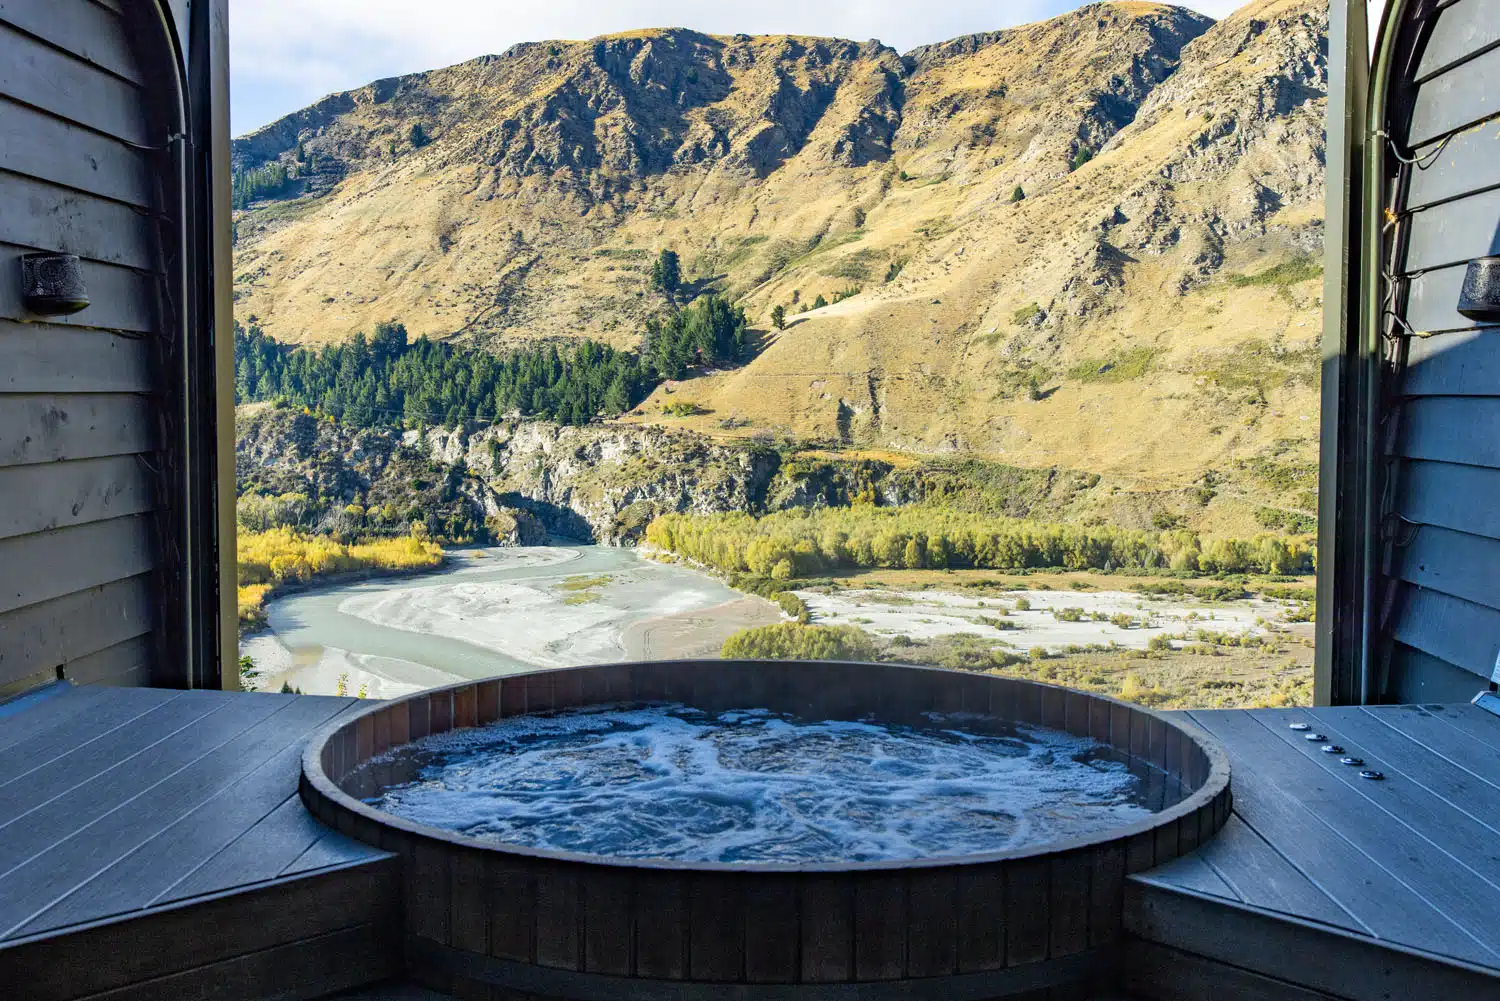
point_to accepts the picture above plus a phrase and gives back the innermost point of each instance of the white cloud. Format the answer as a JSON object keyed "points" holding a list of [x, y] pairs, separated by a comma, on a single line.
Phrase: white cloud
{"points": [[287, 53]]}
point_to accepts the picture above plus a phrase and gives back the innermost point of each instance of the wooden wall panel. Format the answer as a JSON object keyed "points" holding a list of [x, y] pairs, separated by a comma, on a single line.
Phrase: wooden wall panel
{"points": [[52, 427], [71, 88], [1462, 29], [42, 358], [55, 633], [54, 495], [1460, 632], [1459, 97], [1432, 301], [52, 564], [79, 410], [40, 145], [122, 299], [1454, 231], [1446, 612]]}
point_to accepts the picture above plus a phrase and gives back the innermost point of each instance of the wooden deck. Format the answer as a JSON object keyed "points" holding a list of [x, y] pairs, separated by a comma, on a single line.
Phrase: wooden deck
{"points": [[1328, 885], [152, 845]]}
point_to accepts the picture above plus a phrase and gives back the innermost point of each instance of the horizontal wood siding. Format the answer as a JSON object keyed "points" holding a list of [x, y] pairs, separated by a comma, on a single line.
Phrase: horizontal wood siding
{"points": [[1461, 97], [43, 358], [1443, 542], [54, 495], [79, 411], [1432, 302], [1465, 28], [1454, 231], [39, 145], [1465, 363]]}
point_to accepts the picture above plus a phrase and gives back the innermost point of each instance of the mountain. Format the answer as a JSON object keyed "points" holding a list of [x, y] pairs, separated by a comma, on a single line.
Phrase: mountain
{"points": [[1088, 243]]}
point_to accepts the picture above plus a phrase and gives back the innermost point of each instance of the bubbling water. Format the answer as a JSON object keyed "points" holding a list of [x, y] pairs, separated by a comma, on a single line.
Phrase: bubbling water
{"points": [[752, 786]]}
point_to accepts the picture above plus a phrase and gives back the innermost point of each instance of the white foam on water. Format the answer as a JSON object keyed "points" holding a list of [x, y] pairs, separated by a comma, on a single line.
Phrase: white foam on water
{"points": [[755, 786]]}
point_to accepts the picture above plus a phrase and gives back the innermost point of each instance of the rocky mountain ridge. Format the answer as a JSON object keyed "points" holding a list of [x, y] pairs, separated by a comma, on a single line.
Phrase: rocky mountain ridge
{"points": [[1086, 243]]}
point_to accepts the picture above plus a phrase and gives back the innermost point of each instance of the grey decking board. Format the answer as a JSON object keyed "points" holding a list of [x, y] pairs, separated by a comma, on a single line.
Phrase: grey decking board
{"points": [[1447, 829], [1387, 750], [79, 864], [27, 757], [1477, 723], [331, 849], [1351, 852], [42, 710], [1441, 738], [1262, 876], [1192, 872], [262, 853], [55, 842], [188, 838], [84, 762]]}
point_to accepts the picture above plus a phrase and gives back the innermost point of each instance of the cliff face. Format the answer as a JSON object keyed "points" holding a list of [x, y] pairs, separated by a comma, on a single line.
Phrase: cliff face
{"points": [[524, 481], [1085, 243]]}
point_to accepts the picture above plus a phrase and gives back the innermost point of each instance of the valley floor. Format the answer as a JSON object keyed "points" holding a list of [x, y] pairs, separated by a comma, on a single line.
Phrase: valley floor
{"points": [[501, 611]]}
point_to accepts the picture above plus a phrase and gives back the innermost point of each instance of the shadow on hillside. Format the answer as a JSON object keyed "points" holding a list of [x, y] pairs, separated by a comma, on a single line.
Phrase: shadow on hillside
{"points": [[559, 520]]}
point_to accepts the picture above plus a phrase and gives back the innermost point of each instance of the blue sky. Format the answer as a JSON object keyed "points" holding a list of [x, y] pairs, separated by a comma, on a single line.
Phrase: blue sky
{"points": [[285, 54]]}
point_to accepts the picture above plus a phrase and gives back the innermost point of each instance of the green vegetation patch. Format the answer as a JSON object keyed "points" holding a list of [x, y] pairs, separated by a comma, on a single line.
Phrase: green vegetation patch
{"points": [[796, 641], [387, 380], [1026, 314], [1281, 276], [800, 543], [1122, 366], [1258, 365], [855, 266], [582, 583]]}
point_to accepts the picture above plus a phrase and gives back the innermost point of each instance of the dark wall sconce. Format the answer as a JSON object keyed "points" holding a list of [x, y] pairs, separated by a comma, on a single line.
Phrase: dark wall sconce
{"points": [[52, 284], [1480, 298]]}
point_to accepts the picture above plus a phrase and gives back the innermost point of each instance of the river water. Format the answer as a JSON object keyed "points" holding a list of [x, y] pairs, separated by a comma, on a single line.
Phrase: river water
{"points": [[495, 611]]}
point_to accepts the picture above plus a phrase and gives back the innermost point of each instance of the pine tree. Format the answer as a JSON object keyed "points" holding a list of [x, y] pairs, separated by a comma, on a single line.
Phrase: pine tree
{"points": [[1018, 195], [778, 317], [666, 274], [418, 136]]}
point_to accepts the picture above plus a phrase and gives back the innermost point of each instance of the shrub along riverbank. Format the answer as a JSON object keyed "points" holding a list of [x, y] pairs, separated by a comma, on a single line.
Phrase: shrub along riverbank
{"points": [[280, 556], [799, 543]]}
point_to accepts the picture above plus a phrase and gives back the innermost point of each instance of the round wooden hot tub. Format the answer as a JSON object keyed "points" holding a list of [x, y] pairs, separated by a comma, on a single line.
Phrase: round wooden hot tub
{"points": [[487, 919]]}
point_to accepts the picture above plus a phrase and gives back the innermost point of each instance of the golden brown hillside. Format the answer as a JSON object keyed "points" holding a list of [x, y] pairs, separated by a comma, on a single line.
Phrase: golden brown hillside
{"points": [[1150, 315]]}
